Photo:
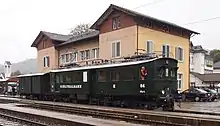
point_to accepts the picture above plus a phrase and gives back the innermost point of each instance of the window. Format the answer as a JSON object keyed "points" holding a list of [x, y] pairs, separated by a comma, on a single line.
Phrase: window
{"points": [[82, 53], [114, 75], [75, 56], [116, 23], [102, 76], [62, 59], [172, 72], [179, 53], [165, 50], [67, 79], [149, 47], [76, 76], [116, 49], [179, 80], [46, 61], [127, 73], [57, 79], [95, 53], [87, 54], [67, 58]]}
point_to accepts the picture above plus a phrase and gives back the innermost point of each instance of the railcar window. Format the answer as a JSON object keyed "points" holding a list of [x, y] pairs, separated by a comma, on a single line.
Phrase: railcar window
{"points": [[114, 76], [172, 73], [102, 75], [161, 73], [68, 79], [61, 78], [57, 79], [127, 74], [77, 76]]}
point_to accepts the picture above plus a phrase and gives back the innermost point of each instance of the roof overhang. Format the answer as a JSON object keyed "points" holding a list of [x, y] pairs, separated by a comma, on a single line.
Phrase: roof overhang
{"points": [[38, 38], [112, 7]]}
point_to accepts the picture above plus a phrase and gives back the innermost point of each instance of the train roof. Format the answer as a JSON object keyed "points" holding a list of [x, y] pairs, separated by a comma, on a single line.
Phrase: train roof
{"points": [[29, 75], [103, 66]]}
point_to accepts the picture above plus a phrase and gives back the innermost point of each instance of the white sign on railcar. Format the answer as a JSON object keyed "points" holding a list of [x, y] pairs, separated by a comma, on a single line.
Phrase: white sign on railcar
{"points": [[70, 86], [85, 76]]}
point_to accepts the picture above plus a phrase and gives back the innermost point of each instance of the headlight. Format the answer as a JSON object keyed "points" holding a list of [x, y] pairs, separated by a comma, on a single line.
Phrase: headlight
{"points": [[178, 92], [163, 92]]}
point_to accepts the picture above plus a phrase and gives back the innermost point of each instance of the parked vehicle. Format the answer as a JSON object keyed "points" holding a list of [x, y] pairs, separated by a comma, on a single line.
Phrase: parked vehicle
{"points": [[213, 94], [195, 94]]}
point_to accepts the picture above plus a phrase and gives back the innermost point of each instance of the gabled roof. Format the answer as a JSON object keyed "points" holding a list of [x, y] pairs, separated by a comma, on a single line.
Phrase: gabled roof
{"points": [[8, 62], [77, 38], [112, 7], [211, 77], [198, 49], [52, 36], [217, 65]]}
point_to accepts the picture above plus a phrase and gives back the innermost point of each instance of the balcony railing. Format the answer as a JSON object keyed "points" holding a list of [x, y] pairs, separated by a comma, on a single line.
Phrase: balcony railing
{"points": [[159, 54], [141, 55]]}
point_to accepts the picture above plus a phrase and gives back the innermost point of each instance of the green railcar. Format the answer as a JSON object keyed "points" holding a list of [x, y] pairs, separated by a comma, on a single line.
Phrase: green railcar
{"points": [[126, 78], [34, 86], [73, 84], [149, 83]]}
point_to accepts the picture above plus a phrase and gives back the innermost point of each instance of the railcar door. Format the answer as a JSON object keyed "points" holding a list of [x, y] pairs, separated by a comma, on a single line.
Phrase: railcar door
{"points": [[92, 82]]}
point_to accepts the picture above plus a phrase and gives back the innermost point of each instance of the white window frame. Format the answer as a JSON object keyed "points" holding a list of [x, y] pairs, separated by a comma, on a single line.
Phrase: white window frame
{"points": [[114, 23], [117, 41], [62, 58], [181, 86], [45, 61], [167, 45], [89, 53], [177, 55], [67, 57], [94, 53], [151, 43], [82, 56], [75, 56]]}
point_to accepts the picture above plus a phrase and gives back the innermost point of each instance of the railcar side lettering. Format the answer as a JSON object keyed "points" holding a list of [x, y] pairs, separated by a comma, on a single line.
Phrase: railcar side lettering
{"points": [[70, 86]]}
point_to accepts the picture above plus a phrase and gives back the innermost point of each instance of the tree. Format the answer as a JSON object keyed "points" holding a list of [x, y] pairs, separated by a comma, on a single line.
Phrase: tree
{"points": [[80, 29], [215, 54], [16, 73]]}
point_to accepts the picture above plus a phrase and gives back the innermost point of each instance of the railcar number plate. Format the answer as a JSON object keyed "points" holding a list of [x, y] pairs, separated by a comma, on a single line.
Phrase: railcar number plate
{"points": [[70, 86]]}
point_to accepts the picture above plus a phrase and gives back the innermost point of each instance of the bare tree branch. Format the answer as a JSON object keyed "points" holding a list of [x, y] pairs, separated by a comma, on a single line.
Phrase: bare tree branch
{"points": [[81, 29]]}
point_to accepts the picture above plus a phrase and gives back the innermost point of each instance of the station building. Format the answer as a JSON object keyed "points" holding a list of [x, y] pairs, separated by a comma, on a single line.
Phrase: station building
{"points": [[117, 33]]}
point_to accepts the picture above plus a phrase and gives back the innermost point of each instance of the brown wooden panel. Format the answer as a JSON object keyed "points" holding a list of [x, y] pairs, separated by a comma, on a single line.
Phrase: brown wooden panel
{"points": [[125, 21], [45, 43]]}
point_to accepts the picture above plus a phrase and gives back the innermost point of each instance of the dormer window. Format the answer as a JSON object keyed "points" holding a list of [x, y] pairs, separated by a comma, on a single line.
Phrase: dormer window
{"points": [[116, 24]]}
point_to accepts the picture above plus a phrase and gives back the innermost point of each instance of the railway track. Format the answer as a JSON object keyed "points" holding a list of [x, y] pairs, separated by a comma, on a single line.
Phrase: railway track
{"points": [[21, 120], [178, 118], [145, 117], [27, 101]]}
